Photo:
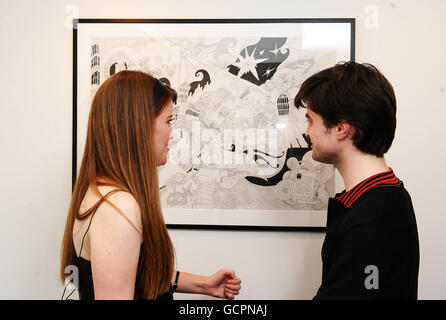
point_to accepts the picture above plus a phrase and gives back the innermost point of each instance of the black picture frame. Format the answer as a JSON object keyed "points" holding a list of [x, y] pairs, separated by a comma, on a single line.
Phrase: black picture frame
{"points": [[77, 23]]}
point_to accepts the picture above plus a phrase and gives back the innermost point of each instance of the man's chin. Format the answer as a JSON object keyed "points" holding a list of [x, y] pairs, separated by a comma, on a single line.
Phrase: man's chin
{"points": [[320, 159]]}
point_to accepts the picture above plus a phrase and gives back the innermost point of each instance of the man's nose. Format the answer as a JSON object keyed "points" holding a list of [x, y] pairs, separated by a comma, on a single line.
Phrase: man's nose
{"points": [[307, 134], [307, 138]]}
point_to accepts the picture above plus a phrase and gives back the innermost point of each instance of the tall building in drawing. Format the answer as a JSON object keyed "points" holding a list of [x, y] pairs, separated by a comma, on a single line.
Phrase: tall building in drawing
{"points": [[95, 67]]}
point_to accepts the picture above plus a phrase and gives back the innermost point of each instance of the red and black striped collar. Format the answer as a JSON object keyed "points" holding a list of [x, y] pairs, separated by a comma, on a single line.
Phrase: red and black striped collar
{"points": [[384, 179]]}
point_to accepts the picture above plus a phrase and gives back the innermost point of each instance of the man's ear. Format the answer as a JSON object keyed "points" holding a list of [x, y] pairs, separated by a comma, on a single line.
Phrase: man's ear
{"points": [[344, 130]]}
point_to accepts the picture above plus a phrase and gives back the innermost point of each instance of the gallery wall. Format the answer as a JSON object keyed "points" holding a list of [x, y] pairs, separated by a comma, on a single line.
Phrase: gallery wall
{"points": [[403, 38]]}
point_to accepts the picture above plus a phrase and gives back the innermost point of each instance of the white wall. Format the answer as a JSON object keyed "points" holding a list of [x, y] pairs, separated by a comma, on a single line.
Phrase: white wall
{"points": [[35, 125]]}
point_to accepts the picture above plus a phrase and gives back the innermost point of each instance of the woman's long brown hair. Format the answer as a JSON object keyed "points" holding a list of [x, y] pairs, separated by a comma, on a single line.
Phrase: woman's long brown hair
{"points": [[119, 149]]}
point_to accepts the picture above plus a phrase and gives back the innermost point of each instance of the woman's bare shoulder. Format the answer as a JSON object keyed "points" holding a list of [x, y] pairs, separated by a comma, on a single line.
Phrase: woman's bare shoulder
{"points": [[120, 206]]}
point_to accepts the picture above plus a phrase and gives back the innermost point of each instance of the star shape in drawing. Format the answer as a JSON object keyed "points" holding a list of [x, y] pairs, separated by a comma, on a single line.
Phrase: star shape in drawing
{"points": [[267, 72], [275, 51], [248, 63]]}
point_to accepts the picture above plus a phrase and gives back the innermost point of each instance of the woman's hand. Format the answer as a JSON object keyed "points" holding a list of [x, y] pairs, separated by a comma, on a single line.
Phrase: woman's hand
{"points": [[224, 284]]}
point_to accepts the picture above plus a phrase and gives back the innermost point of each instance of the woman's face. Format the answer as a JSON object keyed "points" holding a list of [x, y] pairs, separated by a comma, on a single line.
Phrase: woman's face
{"points": [[162, 132]]}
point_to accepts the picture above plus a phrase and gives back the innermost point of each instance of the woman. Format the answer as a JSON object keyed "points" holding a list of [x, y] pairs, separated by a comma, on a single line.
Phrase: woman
{"points": [[115, 232]]}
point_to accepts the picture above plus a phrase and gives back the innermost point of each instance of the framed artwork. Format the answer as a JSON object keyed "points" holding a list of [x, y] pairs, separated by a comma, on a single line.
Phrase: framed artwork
{"points": [[238, 156]]}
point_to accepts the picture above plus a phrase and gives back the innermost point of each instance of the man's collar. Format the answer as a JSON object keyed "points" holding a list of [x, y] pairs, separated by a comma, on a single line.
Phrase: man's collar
{"points": [[383, 179]]}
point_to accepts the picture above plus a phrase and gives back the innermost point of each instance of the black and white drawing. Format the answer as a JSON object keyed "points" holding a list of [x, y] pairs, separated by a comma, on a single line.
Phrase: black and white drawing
{"points": [[239, 156]]}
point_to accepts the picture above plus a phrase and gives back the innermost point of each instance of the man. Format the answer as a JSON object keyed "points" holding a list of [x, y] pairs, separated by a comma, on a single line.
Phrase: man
{"points": [[371, 248]]}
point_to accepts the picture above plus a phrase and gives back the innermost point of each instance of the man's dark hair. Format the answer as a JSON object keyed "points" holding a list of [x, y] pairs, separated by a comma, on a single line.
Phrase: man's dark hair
{"points": [[358, 94]]}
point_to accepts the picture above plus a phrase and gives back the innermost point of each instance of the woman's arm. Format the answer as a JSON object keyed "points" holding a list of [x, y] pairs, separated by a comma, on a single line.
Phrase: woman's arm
{"points": [[222, 284], [115, 246]]}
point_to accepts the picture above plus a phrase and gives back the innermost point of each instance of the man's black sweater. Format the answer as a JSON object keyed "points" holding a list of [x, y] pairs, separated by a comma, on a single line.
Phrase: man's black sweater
{"points": [[371, 248]]}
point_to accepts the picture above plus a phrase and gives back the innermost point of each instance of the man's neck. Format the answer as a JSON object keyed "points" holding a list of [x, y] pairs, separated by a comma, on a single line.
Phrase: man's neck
{"points": [[357, 166]]}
